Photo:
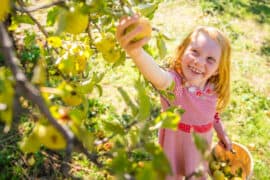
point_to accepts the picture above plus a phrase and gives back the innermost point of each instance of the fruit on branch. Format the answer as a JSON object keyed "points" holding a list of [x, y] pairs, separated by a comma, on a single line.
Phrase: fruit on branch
{"points": [[50, 137], [66, 64], [30, 144], [4, 9], [112, 56], [74, 60], [70, 95], [145, 32], [72, 21], [106, 44]]}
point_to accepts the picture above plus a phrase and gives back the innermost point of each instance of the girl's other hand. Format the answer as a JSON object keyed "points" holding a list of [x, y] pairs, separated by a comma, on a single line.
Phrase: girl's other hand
{"points": [[125, 38], [226, 143]]}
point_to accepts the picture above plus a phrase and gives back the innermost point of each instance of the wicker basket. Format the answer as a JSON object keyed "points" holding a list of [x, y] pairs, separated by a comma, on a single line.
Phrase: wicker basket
{"points": [[239, 158]]}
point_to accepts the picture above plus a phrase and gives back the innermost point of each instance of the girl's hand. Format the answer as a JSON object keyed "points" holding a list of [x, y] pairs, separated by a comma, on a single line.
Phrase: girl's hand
{"points": [[226, 143], [125, 38]]}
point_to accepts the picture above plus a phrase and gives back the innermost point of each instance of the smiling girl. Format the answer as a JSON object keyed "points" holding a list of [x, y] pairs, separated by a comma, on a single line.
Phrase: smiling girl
{"points": [[201, 74]]}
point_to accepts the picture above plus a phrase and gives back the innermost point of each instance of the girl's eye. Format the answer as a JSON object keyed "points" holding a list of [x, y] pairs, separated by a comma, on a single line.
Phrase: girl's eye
{"points": [[211, 60], [195, 52]]}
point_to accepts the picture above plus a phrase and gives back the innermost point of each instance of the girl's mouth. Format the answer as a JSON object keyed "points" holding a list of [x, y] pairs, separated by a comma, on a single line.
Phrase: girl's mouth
{"points": [[195, 70]]}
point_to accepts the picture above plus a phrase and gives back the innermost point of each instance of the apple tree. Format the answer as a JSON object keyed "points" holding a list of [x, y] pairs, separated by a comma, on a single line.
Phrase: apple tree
{"points": [[53, 57]]}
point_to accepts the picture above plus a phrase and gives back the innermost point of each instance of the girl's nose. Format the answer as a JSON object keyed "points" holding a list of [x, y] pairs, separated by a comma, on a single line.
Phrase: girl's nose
{"points": [[199, 61]]}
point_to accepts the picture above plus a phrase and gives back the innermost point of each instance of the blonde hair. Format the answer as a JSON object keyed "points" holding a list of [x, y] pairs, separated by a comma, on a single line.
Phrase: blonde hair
{"points": [[221, 81]]}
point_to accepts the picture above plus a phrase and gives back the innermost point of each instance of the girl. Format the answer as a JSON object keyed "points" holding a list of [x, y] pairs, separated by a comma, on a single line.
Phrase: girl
{"points": [[201, 73]]}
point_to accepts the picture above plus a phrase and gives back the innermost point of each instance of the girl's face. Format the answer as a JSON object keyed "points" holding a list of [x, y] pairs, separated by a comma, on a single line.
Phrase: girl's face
{"points": [[200, 60]]}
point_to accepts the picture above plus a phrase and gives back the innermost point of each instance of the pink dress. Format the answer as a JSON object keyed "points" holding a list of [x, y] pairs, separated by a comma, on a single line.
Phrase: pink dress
{"points": [[200, 109]]}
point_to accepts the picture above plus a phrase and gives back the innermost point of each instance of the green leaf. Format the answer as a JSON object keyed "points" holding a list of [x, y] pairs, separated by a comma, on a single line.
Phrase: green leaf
{"points": [[176, 109], [23, 19], [87, 86], [99, 88], [114, 127], [166, 36], [128, 101], [147, 10], [200, 143], [162, 50], [147, 172], [143, 102], [167, 119], [29, 39], [158, 159], [120, 162], [168, 93], [52, 16]]}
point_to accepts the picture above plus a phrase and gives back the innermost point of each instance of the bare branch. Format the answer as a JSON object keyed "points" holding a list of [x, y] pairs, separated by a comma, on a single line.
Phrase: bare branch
{"points": [[39, 7], [33, 19]]}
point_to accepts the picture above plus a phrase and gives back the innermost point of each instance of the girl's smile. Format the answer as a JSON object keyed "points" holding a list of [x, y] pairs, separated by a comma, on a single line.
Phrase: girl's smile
{"points": [[200, 60]]}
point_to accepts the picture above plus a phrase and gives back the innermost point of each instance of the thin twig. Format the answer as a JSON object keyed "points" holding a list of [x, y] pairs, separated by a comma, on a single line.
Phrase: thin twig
{"points": [[39, 7], [21, 3]]}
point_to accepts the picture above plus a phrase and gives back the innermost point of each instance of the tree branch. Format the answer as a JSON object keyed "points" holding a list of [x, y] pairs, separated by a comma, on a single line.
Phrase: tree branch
{"points": [[31, 93], [21, 3], [39, 7], [27, 89]]}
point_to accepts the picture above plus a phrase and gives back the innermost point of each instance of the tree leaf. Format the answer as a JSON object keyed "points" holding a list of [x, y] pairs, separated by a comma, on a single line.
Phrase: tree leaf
{"points": [[147, 9], [143, 102], [162, 50], [128, 101], [200, 143], [114, 127], [23, 19], [167, 119], [52, 15]]}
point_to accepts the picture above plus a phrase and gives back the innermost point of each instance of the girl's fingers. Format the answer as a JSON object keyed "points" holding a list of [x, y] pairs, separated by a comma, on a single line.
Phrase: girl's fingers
{"points": [[137, 44], [130, 35], [124, 23], [226, 145]]}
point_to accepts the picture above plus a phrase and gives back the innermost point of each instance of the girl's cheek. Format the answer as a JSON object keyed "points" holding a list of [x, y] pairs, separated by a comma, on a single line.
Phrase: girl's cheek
{"points": [[187, 56]]}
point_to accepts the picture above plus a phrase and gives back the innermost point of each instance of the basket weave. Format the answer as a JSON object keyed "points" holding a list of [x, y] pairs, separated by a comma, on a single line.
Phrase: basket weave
{"points": [[240, 159]]}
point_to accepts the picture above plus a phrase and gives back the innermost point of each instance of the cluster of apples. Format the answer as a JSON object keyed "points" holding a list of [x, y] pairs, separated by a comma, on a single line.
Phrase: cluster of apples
{"points": [[43, 134], [106, 45], [222, 170], [74, 59]]}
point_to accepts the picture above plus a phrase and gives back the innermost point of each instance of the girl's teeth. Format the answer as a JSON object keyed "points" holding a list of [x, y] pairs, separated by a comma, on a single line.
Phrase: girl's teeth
{"points": [[195, 70]]}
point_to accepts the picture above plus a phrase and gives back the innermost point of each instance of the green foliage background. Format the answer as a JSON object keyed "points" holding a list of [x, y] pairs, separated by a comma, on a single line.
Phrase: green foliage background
{"points": [[247, 118]]}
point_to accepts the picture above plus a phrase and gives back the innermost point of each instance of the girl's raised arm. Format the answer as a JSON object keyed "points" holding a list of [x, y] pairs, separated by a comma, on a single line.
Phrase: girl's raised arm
{"points": [[160, 78]]}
